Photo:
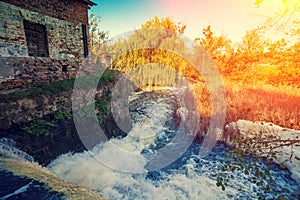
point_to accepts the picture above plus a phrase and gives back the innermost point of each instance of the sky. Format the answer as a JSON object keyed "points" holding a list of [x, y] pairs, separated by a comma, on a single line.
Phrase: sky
{"points": [[230, 17]]}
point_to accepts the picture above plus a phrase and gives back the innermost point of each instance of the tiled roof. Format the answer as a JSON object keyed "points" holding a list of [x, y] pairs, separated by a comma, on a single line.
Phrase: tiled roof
{"points": [[88, 2]]}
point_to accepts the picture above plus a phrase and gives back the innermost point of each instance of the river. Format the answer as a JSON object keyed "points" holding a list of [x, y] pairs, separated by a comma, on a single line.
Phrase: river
{"points": [[120, 168]]}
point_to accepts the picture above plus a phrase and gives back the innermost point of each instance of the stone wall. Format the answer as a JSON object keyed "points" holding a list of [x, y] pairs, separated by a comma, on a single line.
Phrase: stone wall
{"points": [[22, 109], [64, 38], [18, 108], [63, 21], [26, 109], [74, 11], [29, 72]]}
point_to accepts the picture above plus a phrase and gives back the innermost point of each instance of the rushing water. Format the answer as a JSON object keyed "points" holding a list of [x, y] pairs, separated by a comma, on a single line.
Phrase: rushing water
{"points": [[108, 167]]}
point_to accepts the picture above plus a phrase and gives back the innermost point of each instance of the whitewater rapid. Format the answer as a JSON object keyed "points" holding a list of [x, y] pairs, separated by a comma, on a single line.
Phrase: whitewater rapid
{"points": [[108, 167]]}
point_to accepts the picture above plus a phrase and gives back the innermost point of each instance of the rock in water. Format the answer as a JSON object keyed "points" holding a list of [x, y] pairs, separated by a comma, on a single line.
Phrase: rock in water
{"points": [[286, 141]]}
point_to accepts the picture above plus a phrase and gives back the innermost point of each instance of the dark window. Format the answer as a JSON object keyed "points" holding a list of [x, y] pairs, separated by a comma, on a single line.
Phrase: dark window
{"points": [[64, 68], [36, 39], [85, 41]]}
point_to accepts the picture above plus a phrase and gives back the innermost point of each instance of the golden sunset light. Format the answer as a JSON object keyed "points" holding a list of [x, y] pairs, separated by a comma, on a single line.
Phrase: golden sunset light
{"points": [[150, 99]]}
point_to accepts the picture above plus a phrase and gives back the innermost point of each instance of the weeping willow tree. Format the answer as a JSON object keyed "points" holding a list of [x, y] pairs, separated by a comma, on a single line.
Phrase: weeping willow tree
{"points": [[156, 43], [155, 56]]}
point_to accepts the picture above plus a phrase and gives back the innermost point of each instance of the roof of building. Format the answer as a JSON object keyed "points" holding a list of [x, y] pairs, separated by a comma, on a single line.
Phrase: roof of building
{"points": [[88, 2]]}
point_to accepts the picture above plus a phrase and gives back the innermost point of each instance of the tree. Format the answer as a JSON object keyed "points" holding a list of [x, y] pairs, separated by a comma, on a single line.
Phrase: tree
{"points": [[166, 23], [214, 45], [252, 48], [154, 34], [277, 53], [219, 49], [96, 35], [286, 16], [150, 45]]}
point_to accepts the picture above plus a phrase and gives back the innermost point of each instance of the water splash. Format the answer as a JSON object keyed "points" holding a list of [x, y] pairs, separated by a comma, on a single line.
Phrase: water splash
{"points": [[8, 149], [105, 168], [36, 172], [189, 177]]}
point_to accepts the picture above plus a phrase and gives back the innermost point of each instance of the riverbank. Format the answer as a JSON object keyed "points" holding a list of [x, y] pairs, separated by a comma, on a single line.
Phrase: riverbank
{"points": [[40, 121]]}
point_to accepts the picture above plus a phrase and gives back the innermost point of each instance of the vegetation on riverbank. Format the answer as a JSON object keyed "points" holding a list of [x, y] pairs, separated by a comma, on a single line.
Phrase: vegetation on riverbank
{"points": [[63, 85], [41, 119], [42, 127]]}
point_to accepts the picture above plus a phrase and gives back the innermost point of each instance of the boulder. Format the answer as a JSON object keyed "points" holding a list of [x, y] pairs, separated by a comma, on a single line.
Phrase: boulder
{"points": [[285, 143]]}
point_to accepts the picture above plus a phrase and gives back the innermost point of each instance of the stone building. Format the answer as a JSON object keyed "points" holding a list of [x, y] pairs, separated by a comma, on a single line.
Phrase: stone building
{"points": [[41, 41]]}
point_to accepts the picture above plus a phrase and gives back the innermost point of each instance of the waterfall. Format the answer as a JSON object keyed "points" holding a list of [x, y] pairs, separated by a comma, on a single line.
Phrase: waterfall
{"points": [[117, 169], [8, 149], [138, 166]]}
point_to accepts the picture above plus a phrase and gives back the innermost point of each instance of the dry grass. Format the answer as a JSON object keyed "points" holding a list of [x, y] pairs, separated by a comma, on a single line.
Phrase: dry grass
{"points": [[263, 104], [265, 94]]}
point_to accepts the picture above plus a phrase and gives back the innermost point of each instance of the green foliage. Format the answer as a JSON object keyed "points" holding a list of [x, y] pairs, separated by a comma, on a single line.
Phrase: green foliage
{"points": [[100, 119], [107, 76], [60, 116], [64, 85], [86, 111], [96, 35], [67, 115], [101, 108], [50, 89], [42, 127], [103, 105], [39, 127], [54, 88]]}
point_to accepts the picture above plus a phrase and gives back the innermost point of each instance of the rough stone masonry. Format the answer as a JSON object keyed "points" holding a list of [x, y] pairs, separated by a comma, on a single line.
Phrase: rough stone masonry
{"points": [[41, 41]]}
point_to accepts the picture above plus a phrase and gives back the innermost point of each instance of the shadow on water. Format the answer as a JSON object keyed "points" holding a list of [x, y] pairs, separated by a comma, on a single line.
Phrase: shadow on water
{"points": [[18, 187]]}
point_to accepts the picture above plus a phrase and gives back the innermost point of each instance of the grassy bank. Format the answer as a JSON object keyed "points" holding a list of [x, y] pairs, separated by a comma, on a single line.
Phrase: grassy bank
{"points": [[251, 102], [63, 85], [263, 93]]}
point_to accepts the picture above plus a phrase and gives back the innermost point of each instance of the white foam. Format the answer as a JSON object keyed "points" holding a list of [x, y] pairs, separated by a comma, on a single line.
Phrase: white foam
{"points": [[105, 167], [8, 149], [125, 154], [84, 170]]}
